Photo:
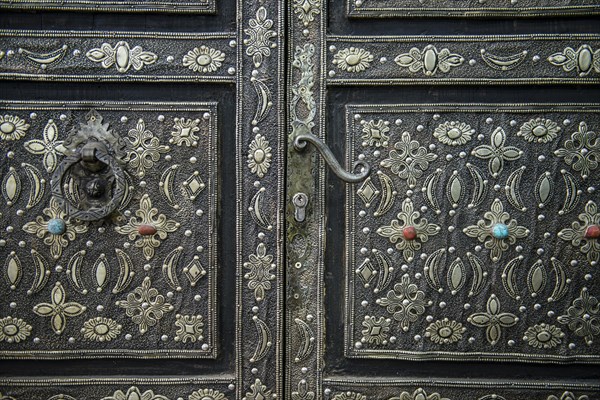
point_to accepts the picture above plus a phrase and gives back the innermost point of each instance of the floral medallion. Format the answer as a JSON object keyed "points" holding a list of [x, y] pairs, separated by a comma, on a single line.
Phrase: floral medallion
{"points": [[57, 231], [582, 151], [376, 330], [375, 133], [145, 306], [408, 160], [453, 133], [203, 59], [409, 230], [133, 393], [148, 227], [12, 127], [259, 276], [353, 59], [101, 329], [406, 302], [14, 330], [583, 317], [59, 309], [493, 320], [586, 234], [544, 336], [445, 331], [498, 232], [539, 130], [259, 156]]}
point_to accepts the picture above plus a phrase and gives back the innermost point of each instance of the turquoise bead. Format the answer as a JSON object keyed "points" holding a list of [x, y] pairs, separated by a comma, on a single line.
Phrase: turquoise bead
{"points": [[500, 231], [57, 226]]}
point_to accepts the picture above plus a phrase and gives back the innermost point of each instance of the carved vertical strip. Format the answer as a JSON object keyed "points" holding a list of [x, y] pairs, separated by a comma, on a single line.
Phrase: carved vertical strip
{"points": [[260, 144]]}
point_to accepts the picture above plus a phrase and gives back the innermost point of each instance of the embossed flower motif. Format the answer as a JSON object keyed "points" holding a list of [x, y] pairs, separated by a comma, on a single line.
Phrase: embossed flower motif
{"points": [[406, 302], [375, 133], [376, 330], [583, 317], [185, 132], [49, 147], [418, 394], [543, 336], [453, 133], [349, 396], [13, 330], [259, 33], [499, 232], [540, 130], [259, 156], [409, 230], [101, 329], [586, 234], [12, 127], [149, 226], [145, 148], [122, 56], [207, 394], [582, 151], [259, 275], [568, 396], [408, 160], [145, 306], [59, 309], [133, 393], [203, 59], [493, 320], [445, 331], [57, 241], [353, 59], [189, 327], [497, 152], [429, 60]]}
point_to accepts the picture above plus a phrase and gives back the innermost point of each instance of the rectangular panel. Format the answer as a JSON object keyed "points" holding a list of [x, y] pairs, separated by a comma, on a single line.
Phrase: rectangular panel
{"points": [[441, 389], [469, 8], [116, 56], [139, 283], [476, 237], [529, 59], [117, 388], [195, 6]]}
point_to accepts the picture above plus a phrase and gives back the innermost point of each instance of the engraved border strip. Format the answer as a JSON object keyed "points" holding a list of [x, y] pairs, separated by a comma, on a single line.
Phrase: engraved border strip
{"points": [[478, 59], [189, 7]]}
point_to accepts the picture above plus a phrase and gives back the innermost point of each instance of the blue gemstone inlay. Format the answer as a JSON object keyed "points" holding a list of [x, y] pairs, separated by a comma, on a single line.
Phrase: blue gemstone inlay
{"points": [[500, 231], [57, 226]]}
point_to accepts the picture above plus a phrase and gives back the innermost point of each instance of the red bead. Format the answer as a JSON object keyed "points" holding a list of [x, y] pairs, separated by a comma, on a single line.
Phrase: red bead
{"points": [[410, 233], [592, 232], [146, 230]]}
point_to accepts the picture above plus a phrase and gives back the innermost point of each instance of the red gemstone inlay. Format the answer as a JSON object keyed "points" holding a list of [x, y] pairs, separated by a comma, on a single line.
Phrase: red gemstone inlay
{"points": [[410, 233], [146, 230], [592, 232]]}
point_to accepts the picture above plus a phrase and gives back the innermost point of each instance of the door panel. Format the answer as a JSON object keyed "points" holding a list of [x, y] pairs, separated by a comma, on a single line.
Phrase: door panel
{"points": [[398, 287], [176, 293]]}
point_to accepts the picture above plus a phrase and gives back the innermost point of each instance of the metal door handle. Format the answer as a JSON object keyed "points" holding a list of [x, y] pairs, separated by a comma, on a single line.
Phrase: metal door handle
{"points": [[363, 167], [94, 205]]}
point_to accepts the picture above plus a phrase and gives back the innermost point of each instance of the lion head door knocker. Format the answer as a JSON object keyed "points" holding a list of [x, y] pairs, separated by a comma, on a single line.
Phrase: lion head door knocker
{"points": [[89, 184]]}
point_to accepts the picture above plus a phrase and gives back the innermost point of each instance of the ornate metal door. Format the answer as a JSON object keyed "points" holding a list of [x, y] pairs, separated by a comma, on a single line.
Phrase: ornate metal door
{"points": [[141, 179], [465, 266], [452, 255]]}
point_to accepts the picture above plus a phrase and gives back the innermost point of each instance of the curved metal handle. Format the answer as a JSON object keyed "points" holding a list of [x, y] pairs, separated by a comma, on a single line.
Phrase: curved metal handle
{"points": [[350, 177], [92, 158]]}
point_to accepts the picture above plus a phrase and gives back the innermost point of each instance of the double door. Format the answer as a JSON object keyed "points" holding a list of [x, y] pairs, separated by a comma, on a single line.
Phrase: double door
{"points": [[347, 200]]}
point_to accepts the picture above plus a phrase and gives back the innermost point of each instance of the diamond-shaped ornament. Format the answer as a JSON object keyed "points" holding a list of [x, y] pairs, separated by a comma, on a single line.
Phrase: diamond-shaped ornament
{"points": [[367, 192], [194, 185], [366, 271], [194, 271]]}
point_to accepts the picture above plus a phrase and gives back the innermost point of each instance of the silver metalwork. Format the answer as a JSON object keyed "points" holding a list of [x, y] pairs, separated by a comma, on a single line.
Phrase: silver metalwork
{"points": [[363, 167]]}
